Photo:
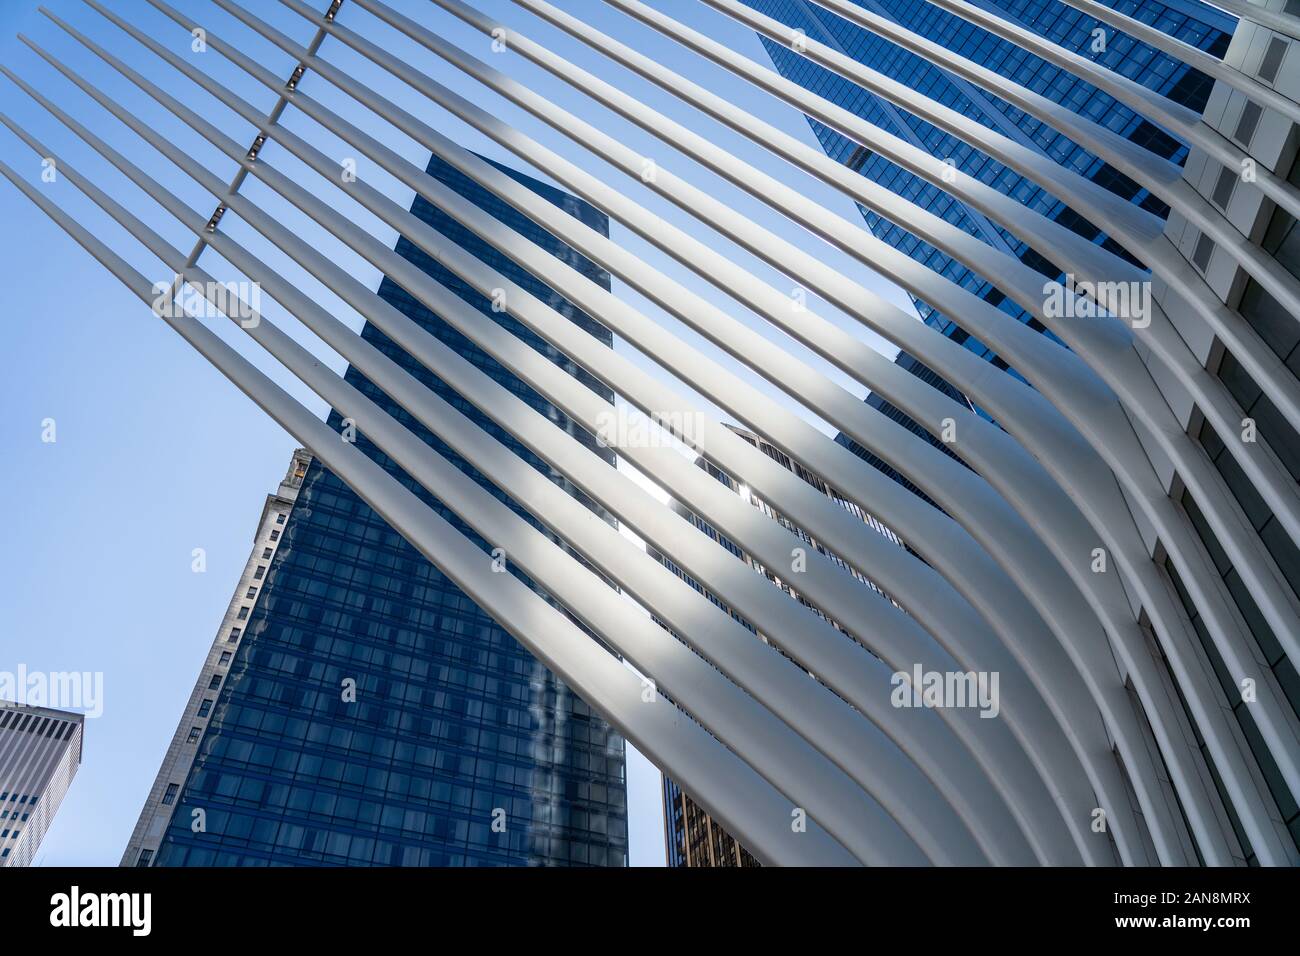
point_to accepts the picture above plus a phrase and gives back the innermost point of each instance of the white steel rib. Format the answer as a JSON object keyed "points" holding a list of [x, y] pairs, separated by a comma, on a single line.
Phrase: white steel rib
{"points": [[1110, 708]]}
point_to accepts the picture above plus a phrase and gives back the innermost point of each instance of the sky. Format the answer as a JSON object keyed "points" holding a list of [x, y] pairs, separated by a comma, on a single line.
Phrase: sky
{"points": [[155, 454]]}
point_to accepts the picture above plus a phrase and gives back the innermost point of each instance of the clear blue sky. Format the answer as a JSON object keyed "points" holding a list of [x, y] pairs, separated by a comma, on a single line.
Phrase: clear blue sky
{"points": [[156, 454]]}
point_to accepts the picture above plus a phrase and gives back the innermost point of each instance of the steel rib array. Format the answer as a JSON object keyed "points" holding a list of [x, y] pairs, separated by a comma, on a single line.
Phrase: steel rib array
{"points": [[1001, 580]]}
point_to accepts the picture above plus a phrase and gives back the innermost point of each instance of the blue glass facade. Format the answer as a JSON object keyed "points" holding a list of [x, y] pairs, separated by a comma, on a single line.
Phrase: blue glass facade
{"points": [[1188, 20], [455, 725]]}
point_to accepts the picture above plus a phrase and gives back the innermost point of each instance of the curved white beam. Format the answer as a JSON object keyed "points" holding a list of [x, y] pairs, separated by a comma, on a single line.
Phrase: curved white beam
{"points": [[1285, 23], [1131, 226], [816, 660], [1194, 57], [412, 278], [1054, 371], [1007, 581], [1154, 497], [1071, 252], [697, 256], [1177, 119], [785, 490], [758, 811], [395, 266]]}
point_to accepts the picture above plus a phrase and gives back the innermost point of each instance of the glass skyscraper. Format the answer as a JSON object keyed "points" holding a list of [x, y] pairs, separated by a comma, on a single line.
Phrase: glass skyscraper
{"points": [[459, 748], [1193, 22]]}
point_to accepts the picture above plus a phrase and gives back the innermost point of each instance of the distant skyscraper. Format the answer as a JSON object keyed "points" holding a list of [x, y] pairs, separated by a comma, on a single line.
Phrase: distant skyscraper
{"points": [[1195, 23], [692, 837], [458, 747], [40, 751], [161, 802]]}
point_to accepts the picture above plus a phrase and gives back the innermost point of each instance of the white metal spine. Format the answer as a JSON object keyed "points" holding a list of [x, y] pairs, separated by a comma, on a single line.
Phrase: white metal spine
{"points": [[595, 674], [1001, 580]]}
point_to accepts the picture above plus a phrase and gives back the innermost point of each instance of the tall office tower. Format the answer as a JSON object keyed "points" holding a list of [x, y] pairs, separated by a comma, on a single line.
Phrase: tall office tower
{"points": [[176, 764], [1191, 21], [372, 713], [1268, 138], [691, 836], [40, 751]]}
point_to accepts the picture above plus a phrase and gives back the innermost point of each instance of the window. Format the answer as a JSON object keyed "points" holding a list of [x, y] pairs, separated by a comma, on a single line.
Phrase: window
{"points": [[1204, 249], [1223, 188], [170, 796], [146, 856], [215, 682], [1272, 59], [275, 536], [261, 570], [252, 593], [225, 659], [234, 635], [194, 735], [243, 614], [205, 708], [279, 519], [266, 553], [1248, 123]]}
